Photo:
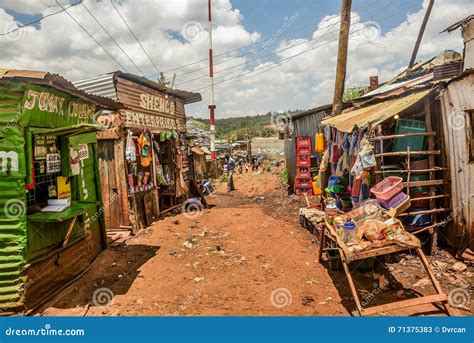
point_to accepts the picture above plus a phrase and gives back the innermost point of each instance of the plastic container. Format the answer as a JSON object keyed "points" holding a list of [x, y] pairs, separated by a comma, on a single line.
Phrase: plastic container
{"points": [[303, 150], [395, 201], [316, 189], [416, 143], [350, 233], [387, 188], [303, 173], [303, 141], [303, 190], [303, 161], [303, 182]]}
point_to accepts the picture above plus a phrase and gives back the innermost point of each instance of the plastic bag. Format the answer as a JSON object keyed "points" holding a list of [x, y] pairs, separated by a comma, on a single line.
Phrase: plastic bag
{"points": [[320, 145], [130, 149], [324, 161], [366, 155]]}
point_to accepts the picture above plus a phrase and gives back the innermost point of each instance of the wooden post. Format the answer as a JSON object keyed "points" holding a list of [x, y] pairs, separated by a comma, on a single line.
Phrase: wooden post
{"points": [[420, 34], [342, 56], [432, 174]]}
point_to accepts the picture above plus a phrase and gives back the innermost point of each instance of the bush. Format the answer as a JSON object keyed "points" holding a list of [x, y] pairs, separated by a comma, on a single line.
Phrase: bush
{"points": [[283, 176]]}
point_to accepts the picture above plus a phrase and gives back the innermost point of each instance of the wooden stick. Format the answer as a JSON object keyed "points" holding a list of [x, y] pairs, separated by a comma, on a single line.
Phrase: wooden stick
{"points": [[404, 153], [409, 170], [403, 135], [425, 183], [427, 228], [404, 304], [434, 210], [351, 283], [69, 230], [439, 196], [413, 171]]}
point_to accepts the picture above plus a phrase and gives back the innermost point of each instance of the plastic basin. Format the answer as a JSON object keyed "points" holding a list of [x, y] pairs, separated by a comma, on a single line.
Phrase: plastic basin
{"points": [[387, 188]]}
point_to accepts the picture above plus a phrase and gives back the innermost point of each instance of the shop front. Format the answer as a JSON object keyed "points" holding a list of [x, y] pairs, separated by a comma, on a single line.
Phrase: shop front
{"points": [[50, 203], [143, 155]]}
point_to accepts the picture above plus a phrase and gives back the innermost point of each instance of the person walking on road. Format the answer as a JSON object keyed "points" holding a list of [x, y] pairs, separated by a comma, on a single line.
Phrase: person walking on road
{"points": [[230, 172]]}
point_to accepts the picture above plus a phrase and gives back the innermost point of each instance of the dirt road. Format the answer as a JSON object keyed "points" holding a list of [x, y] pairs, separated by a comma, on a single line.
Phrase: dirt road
{"points": [[246, 255]]}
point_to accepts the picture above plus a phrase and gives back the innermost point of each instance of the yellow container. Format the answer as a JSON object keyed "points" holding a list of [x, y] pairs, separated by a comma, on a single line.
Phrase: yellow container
{"points": [[316, 190]]}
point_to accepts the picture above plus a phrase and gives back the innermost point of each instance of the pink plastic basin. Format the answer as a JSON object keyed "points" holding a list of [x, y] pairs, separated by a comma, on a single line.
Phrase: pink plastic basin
{"points": [[387, 188]]}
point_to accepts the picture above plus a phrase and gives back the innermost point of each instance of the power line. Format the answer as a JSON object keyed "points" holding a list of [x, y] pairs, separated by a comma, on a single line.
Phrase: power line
{"points": [[258, 58], [95, 40], [287, 59], [254, 51], [40, 19], [112, 38], [134, 36]]}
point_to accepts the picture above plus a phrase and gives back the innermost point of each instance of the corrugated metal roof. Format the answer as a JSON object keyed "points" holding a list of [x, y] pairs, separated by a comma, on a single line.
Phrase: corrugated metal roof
{"points": [[58, 82], [104, 85], [459, 23], [373, 114]]}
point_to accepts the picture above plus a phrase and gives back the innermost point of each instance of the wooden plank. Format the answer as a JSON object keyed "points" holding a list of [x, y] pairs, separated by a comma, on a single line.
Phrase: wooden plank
{"points": [[435, 210], [425, 183], [404, 304], [339, 241], [378, 251], [69, 231], [439, 196], [435, 282], [351, 283], [404, 171], [321, 242], [403, 135], [404, 153], [121, 174]]}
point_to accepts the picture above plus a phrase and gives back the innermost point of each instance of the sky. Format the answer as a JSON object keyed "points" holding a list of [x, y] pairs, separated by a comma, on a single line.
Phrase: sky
{"points": [[269, 55]]}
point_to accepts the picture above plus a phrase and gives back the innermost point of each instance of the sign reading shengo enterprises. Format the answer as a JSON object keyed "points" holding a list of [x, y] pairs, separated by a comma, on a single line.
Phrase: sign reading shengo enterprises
{"points": [[157, 103], [138, 119]]}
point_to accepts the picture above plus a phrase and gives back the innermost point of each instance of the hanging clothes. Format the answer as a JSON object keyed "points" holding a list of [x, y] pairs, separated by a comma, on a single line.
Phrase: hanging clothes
{"points": [[144, 149]]}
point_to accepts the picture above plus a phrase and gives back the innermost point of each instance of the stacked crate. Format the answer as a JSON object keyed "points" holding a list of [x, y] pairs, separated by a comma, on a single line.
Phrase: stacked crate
{"points": [[303, 182]]}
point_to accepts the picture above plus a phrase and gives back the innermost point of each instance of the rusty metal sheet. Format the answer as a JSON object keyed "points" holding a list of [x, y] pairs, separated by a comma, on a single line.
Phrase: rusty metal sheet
{"points": [[373, 114]]}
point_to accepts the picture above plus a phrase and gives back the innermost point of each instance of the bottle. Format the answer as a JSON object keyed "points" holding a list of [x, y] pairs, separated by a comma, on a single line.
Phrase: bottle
{"points": [[350, 233], [331, 210]]}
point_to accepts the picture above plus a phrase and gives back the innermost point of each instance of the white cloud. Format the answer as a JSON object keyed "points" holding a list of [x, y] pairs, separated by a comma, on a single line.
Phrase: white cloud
{"points": [[59, 45]]}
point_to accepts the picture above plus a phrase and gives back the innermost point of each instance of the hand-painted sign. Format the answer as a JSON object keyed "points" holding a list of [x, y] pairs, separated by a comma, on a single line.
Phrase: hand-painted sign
{"points": [[83, 151], [157, 103], [53, 108], [138, 119]]}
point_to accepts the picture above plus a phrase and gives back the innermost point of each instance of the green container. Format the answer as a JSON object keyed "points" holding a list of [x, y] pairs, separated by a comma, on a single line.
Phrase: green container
{"points": [[410, 126], [388, 170]]}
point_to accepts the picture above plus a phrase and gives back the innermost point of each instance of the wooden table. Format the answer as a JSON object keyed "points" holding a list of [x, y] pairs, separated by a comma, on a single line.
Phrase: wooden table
{"points": [[349, 256]]}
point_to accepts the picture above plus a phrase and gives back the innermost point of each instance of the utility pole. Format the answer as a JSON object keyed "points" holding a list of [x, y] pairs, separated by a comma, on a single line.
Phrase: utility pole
{"points": [[420, 34], [342, 56], [212, 107]]}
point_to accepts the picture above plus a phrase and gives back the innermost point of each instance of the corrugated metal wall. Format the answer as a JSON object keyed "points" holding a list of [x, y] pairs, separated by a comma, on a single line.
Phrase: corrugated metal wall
{"points": [[12, 198], [306, 125], [456, 102]]}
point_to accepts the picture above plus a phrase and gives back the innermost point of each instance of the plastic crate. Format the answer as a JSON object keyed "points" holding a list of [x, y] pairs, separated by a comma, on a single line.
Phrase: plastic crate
{"points": [[387, 188], [303, 175], [410, 126], [303, 182], [303, 190], [303, 141], [303, 150], [303, 161]]}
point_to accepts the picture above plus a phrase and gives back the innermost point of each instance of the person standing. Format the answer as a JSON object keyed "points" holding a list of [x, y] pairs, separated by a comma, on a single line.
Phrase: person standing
{"points": [[230, 172]]}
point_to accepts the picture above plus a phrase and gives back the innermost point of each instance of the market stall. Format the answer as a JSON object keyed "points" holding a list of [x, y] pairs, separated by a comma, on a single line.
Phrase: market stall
{"points": [[50, 213], [143, 154]]}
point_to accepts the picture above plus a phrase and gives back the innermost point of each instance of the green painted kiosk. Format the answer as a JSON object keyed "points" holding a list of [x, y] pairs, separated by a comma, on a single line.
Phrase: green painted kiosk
{"points": [[51, 225]]}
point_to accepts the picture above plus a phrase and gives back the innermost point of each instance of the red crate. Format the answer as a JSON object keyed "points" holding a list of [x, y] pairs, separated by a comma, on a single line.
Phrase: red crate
{"points": [[303, 150], [303, 141], [305, 175], [303, 161], [303, 182], [303, 190]]}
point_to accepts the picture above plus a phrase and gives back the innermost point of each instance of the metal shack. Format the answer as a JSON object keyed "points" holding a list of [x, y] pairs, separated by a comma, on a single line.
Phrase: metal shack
{"points": [[457, 111], [143, 155], [50, 200]]}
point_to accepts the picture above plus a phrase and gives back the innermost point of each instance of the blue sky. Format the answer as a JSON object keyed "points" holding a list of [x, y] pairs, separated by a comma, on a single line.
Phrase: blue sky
{"points": [[295, 69]]}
